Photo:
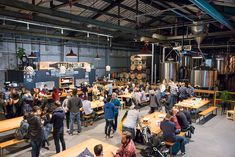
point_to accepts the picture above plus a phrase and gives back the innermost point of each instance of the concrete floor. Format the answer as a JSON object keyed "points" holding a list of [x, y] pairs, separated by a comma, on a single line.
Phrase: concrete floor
{"points": [[215, 138]]}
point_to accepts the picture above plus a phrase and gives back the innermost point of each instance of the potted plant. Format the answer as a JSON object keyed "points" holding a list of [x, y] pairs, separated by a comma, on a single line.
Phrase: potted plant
{"points": [[20, 53], [225, 96]]}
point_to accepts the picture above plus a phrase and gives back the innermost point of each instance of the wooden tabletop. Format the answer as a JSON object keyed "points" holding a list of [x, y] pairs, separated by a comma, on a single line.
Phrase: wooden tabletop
{"points": [[90, 144], [97, 104], [10, 124], [204, 91], [127, 95], [193, 103], [154, 120]]}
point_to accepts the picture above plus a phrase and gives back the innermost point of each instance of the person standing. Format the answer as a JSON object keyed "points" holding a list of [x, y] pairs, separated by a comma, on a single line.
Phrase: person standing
{"points": [[117, 104], [109, 112], [66, 110], [35, 131], [56, 94], [74, 105], [155, 103], [131, 121], [58, 126]]}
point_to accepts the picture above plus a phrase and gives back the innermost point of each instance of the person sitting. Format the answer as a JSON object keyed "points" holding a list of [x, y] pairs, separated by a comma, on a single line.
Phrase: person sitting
{"points": [[182, 121], [175, 120], [87, 110], [190, 89], [127, 148], [98, 149], [136, 97], [132, 119], [169, 128], [187, 114]]}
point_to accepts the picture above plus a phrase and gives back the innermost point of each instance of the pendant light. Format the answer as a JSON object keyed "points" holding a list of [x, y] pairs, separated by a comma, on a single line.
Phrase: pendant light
{"points": [[97, 55], [144, 52], [71, 54]]}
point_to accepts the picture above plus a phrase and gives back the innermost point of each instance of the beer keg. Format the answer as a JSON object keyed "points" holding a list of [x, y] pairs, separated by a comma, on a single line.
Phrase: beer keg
{"points": [[132, 75], [133, 66], [139, 67]]}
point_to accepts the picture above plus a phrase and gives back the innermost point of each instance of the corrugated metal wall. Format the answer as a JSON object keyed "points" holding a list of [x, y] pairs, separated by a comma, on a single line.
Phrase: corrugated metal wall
{"points": [[117, 58]]}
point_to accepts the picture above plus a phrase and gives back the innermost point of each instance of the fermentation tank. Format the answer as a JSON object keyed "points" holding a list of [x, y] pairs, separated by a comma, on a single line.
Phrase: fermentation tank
{"points": [[169, 70], [185, 67], [203, 76]]}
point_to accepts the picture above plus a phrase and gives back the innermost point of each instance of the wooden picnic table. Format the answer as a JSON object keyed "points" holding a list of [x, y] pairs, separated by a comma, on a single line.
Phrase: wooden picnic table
{"points": [[10, 124], [193, 103], [89, 144], [153, 121], [127, 96]]}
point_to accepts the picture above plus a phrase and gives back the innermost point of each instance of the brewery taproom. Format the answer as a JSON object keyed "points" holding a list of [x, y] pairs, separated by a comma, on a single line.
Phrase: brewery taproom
{"points": [[117, 78]]}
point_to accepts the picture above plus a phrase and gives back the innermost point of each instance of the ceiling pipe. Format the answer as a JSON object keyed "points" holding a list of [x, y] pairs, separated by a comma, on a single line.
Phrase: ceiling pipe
{"points": [[210, 10]]}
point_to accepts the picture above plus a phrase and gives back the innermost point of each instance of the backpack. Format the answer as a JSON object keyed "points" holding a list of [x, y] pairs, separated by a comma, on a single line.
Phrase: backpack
{"points": [[22, 131]]}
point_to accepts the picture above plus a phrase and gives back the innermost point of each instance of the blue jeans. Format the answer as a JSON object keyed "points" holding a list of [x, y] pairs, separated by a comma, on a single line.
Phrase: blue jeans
{"points": [[108, 126], [182, 142], [72, 119], [36, 146], [58, 135]]}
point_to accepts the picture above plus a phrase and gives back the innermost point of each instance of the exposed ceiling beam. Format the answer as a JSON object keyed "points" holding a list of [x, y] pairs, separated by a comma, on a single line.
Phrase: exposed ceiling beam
{"points": [[223, 3], [210, 10], [139, 12], [109, 7], [67, 3], [94, 10], [64, 15]]}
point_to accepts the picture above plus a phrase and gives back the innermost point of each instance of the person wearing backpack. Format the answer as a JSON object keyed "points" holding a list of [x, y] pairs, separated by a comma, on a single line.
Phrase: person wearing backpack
{"points": [[35, 131], [57, 120]]}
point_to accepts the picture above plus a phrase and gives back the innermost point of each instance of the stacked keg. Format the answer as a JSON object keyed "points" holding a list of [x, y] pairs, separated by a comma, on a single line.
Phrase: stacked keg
{"points": [[138, 68]]}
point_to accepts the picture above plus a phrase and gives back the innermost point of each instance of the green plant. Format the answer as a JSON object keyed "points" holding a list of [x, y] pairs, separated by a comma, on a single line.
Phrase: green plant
{"points": [[20, 52], [225, 96]]}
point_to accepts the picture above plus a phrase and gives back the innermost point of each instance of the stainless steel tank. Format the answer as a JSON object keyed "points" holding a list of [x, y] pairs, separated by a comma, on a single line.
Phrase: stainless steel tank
{"points": [[220, 65], [186, 61], [203, 76], [169, 70]]}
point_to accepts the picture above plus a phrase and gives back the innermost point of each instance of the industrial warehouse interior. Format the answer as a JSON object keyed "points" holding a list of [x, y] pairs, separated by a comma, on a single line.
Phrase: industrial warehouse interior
{"points": [[117, 78]]}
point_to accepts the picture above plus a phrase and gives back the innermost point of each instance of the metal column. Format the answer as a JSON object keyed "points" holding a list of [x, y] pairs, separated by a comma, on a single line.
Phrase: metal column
{"points": [[152, 64]]}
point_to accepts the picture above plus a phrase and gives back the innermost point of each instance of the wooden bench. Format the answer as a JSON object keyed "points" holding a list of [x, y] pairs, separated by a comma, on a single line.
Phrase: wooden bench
{"points": [[87, 119], [171, 144], [100, 112], [9, 143], [207, 111]]}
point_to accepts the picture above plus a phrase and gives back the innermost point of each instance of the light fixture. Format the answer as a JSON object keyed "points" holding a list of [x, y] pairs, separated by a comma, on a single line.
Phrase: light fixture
{"points": [[32, 55], [97, 57], [108, 68], [62, 31], [71, 54], [27, 26], [107, 38], [144, 52], [87, 35], [170, 59]]}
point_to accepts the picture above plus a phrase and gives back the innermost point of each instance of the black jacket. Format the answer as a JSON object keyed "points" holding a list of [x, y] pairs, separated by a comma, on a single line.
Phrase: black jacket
{"points": [[188, 116], [182, 120], [74, 104], [35, 127], [58, 118]]}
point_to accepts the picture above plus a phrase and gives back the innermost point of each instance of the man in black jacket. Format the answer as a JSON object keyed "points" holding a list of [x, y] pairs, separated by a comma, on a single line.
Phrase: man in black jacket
{"points": [[58, 126], [169, 133], [182, 119], [74, 105], [35, 131]]}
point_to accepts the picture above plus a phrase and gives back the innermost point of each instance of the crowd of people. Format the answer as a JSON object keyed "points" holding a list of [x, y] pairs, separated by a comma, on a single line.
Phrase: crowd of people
{"points": [[43, 117]]}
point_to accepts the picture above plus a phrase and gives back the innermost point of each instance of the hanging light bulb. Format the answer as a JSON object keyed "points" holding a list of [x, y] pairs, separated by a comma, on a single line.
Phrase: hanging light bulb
{"points": [[107, 38], [27, 26], [62, 31], [88, 35]]}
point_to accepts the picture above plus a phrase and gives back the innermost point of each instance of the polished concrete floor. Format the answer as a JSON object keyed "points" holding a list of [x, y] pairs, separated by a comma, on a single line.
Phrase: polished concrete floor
{"points": [[215, 138]]}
